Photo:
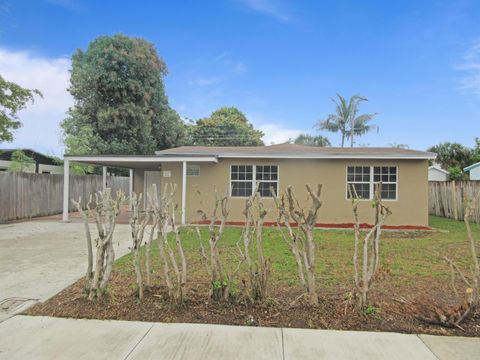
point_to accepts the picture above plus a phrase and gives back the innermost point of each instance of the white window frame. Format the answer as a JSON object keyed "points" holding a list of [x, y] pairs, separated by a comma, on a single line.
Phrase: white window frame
{"points": [[246, 181], [388, 182], [359, 182], [256, 182], [192, 166], [372, 182], [254, 179]]}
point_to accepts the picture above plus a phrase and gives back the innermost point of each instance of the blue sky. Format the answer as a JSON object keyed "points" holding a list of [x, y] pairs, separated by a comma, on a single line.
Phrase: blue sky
{"points": [[279, 61]]}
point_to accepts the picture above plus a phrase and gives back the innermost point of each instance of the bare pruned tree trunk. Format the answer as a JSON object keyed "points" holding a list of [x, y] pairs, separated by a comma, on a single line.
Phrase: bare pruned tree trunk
{"points": [[301, 240], [258, 267], [104, 209], [370, 245], [454, 317], [220, 280], [138, 222], [88, 236], [165, 220]]}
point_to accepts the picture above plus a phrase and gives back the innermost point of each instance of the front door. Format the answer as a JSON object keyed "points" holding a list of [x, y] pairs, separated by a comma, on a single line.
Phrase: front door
{"points": [[151, 177]]}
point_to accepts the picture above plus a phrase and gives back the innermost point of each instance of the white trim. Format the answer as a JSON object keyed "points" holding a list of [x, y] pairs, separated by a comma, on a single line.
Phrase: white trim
{"points": [[104, 178], [312, 156], [372, 182], [380, 157], [184, 192], [66, 188], [471, 167], [141, 159], [254, 180], [130, 189]]}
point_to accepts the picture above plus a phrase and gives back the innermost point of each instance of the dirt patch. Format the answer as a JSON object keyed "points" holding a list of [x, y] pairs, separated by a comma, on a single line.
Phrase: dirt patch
{"points": [[390, 311]]}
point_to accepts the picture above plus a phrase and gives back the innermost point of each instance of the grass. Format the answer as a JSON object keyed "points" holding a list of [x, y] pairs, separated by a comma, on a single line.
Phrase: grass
{"points": [[413, 280], [406, 257]]}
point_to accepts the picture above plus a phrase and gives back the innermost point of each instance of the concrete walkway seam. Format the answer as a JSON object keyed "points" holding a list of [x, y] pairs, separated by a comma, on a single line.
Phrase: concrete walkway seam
{"points": [[139, 341]]}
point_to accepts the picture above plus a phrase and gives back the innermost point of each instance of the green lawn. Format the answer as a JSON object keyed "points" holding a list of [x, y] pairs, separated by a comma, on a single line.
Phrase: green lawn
{"points": [[406, 257]]}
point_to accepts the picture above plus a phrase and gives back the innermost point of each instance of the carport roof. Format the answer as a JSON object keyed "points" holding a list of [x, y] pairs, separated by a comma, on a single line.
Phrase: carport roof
{"points": [[135, 161]]}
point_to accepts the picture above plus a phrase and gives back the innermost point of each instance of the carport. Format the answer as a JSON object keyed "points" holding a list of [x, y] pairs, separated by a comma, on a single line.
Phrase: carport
{"points": [[147, 163]]}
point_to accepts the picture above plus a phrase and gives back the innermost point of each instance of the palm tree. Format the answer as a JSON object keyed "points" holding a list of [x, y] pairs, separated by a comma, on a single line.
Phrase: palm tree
{"points": [[310, 140], [345, 116]]}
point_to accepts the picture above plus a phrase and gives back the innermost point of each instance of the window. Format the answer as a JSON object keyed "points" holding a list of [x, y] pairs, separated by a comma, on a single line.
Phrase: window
{"points": [[358, 180], [267, 177], [364, 178], [246, 179], [241, 177], [388, 176], [193, 170]]}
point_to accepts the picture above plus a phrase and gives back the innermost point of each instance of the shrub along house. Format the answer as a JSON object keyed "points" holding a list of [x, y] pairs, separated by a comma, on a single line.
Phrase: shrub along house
{"points": [[242, 170]]}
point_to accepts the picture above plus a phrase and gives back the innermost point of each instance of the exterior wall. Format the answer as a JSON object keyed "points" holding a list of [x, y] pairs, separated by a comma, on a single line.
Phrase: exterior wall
{"points": [[436, 175], [475, 173], [4, 164], [53, 169], [410, 208]]}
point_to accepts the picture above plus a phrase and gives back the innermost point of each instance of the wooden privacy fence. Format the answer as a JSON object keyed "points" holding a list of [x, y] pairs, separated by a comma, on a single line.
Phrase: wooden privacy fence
{"points": [[447, 198], [24, 195]]}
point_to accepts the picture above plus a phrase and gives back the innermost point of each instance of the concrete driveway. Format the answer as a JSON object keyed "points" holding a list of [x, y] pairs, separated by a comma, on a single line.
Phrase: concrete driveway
{"points": [[39, 259]]}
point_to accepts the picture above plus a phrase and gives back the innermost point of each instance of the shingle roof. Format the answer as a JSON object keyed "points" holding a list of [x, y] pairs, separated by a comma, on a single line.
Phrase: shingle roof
{"points": [[296, 151]]}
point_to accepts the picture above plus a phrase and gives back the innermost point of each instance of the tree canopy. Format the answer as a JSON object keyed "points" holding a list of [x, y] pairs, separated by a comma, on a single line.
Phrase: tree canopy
{"points": [[345, 115], [21, 162], [311, 140], [120, 102], [226, 126], [451, 155], [13, 98]]}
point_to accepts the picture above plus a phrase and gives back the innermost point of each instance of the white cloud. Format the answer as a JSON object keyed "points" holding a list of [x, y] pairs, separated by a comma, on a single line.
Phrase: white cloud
{"points": [[40, 120], [268, 7], [471, 69], [275, 131]]}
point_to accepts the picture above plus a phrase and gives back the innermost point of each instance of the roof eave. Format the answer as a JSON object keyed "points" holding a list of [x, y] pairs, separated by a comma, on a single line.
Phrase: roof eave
{"points": [[307, 156], [471, 167]]}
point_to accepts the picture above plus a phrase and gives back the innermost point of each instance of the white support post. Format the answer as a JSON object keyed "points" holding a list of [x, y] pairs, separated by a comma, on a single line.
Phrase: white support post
{"points": [[104, 178], [130, 190], [66, 188], [184, 192]]}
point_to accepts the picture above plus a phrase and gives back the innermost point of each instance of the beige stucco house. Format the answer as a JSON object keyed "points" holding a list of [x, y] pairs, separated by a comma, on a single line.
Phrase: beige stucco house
{"points": [[241, 170]]}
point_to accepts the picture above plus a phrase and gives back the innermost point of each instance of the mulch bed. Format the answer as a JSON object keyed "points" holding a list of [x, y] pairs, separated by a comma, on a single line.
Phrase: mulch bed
{"points": [[393, 308]]}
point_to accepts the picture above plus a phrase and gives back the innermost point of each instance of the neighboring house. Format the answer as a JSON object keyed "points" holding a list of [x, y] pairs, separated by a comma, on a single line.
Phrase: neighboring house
{"points": [[474, 171], [43, 164], [436, 173], [238, 170]]}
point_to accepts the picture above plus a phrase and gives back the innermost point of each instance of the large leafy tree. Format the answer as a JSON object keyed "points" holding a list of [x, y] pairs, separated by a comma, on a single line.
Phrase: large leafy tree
{"points": [[346, 119], [13, 98], [226, 126], [120, 101], [311, 140], [450, 155], [476, 151]]}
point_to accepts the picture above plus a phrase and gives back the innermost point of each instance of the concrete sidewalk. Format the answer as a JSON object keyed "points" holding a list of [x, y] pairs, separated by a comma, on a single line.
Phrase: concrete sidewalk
{"points": [[27, 337]]}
